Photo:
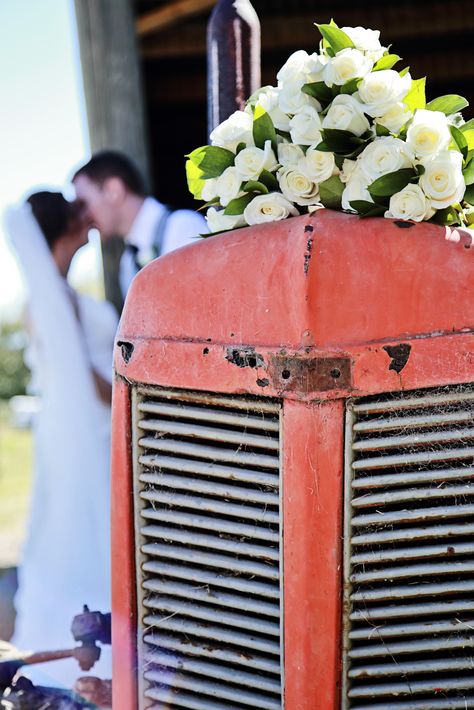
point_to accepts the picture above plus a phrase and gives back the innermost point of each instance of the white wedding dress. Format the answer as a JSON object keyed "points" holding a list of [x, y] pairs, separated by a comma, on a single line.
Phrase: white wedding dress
{"points": [[66, 558]]}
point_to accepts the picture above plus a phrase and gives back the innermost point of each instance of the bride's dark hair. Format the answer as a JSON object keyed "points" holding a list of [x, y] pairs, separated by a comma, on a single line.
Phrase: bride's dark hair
{"points": [[54, 214]]}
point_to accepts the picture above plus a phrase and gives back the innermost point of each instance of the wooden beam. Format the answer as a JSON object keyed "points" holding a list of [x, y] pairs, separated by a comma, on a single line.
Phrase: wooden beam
{"points": [[170, 14]]}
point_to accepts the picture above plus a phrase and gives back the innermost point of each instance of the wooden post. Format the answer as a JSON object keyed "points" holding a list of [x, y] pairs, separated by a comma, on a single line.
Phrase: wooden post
{"points": [[233, 58], [114, 100]]}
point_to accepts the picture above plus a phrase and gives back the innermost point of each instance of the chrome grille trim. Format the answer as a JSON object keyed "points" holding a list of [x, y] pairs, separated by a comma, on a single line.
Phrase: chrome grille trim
{"points": [[208, 529], [409, 544]]}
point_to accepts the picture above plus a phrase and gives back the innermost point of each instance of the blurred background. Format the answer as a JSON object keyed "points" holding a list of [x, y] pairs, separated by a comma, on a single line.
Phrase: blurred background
{"points": [[79, 75]]}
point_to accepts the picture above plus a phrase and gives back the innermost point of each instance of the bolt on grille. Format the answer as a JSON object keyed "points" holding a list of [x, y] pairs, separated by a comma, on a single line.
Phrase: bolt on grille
{"points": [[409, 543], [207, 502]]}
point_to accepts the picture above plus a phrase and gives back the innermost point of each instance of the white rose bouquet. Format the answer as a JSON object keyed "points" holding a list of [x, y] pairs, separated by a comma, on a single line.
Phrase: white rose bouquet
{"points": [[342, 129]]}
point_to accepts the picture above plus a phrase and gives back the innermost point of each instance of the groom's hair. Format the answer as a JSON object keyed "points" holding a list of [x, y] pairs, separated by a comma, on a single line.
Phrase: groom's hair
{"points": [[111, 163]]}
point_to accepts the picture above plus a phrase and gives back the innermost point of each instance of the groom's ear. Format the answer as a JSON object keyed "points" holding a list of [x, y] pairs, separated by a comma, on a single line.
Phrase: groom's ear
{"points": [[114, 190]]}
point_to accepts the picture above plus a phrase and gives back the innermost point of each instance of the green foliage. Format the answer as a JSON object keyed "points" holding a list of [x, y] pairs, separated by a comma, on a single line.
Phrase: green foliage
{"points": [[451, 103], [416, 97], [459, 140], [14, 374], [387, 62], [263, 129], [256, 186], [330, 192], [389, 184], [335, 38], [238, 205], [211, 160], [468, 173], [319, 91], [367, 209], [469, 195], [194, 178]]}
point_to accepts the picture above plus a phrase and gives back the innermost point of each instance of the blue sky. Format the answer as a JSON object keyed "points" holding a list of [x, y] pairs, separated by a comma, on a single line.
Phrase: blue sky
{"points": [[43, 132]]}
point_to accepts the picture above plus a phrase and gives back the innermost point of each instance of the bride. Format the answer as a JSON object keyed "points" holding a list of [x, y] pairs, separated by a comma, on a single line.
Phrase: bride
{"points": [[65, 560]]}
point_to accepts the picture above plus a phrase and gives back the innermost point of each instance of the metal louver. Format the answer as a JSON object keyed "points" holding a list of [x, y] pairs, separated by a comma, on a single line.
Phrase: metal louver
{"points": [[207, 502], [409, 543]]}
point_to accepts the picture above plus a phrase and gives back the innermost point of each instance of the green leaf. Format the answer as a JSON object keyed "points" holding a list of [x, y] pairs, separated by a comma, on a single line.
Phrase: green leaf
{"points": [[238, 205], [389, 184], [386, 62], [469, 195], [381, 130], [194, 178], [451, 103], [416, 97], [263, 128], [468, 173], [367, 209], [240, 147], [469, 138], [269, 180], [330, 192], [337, 141], [256, 186], [460, 140], [447, 216], [212, 160], [351, 86], [319, 91], [336, 38], [405, 71], [468, 126]]}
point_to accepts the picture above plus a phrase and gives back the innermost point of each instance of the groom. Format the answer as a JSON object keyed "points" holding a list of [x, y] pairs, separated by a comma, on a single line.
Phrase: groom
{"points": [[114, 194]]}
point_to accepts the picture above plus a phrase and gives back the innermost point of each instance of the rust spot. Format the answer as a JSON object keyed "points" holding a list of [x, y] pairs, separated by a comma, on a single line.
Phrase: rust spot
{"points": [[399, 355], [308, 228], [450, 550], [263, 382], [310, 374], [307, 254], [403, 225], [244, 357], [127, 350], [205, 351]]}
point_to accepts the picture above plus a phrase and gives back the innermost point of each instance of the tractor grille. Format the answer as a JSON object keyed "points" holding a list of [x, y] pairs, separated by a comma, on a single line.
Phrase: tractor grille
{"points": [[207, 491], [409, 565]]}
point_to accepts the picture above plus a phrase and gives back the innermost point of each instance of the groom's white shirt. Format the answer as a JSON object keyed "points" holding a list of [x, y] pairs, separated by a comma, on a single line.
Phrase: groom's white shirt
{"points": [[182, 227]]}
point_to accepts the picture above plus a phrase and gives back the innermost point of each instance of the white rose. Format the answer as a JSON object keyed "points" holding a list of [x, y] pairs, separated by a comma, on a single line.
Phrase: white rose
{"points": [[381, 89], [289, 154], [348, 167], [234, 130], [269, 208], [410, 203], [366, 40], [217, 221], [297, 187], [443, 181], [318, 165], [305, 126], [209, 191], [292, 99], [228, 185], [251, 161], [385, 155], [356, 189], [269, 100], [395, 118], [346, 114], [346, 65], [301, 65], [428, 133]]}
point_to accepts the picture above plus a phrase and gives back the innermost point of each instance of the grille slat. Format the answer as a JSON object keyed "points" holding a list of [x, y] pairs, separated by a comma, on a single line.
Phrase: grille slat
{"points": [[230, 455], [206, 650], [201, 522], [206, 613], [201, 594], [192, 431], [409, 543], [210, 505], [213, 542], [210, 469], [208, 520], [219, 490]]}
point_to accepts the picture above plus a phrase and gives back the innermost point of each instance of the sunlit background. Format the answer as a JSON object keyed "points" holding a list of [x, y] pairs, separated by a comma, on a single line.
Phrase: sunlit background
{"points": [[43, 131]]}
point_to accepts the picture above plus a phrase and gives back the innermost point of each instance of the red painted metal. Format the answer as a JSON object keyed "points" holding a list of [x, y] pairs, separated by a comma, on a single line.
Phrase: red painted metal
{"points": [[385, 306], [124, 686]]}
